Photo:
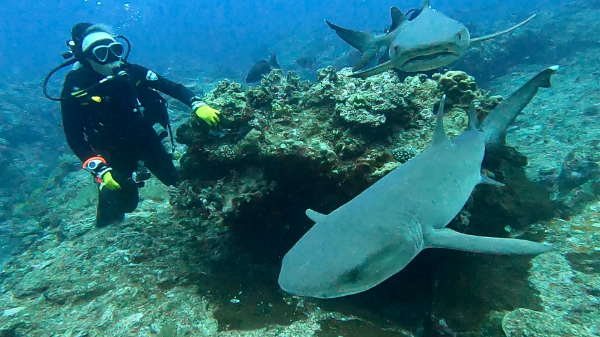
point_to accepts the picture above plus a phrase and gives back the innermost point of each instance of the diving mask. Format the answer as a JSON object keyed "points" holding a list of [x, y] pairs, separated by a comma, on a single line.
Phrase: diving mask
{"points": [[107, 53]]}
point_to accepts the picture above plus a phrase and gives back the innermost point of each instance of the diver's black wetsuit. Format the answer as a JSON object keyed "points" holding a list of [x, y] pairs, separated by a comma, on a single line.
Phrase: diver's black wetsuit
{"points": [[106, 120]]}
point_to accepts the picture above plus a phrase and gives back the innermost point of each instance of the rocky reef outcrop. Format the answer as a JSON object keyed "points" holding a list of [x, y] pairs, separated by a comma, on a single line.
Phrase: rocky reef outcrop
{"points": [[341, 125], [287, 145], [31, 142]]}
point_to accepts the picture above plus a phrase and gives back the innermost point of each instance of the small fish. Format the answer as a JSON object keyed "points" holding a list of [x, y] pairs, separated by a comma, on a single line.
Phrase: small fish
{"points": [[219, 133], [432, 326], [441, 328], [306, 62], [68, 167], [242, 132], [261, 68]]}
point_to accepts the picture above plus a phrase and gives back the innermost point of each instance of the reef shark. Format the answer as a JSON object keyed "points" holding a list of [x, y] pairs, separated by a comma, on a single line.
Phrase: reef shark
{"points": [[430, 41], [376, 234]]}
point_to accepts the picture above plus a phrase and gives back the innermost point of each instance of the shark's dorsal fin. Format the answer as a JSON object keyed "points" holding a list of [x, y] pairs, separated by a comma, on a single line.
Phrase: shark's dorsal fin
{"points": [[397, 18], [491, 36], [314, 216], [473, 120], [425, 4], [439, 135]]}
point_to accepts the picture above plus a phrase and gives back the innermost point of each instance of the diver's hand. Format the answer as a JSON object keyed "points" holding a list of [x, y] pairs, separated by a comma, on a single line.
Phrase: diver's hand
{"points": [[208, 114], [109, 182], [97, 166]]}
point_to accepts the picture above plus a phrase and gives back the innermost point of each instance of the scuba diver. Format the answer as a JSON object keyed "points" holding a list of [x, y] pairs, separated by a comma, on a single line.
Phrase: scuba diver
{"points": [[109, 108]]}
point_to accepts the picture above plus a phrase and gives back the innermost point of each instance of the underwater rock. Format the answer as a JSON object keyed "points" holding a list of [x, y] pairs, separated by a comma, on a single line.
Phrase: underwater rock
{"points": [[458, 86], [526, 322], [577, 181], [362, 117], [336, 121], [461, 89], [33, 283], [591, 111], [12, 312], [517, 205], [578, 168], [223, 198]]}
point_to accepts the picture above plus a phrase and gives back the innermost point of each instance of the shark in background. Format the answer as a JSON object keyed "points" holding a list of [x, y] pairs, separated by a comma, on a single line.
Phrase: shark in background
{"points": [[428, 41], [376, 234]]}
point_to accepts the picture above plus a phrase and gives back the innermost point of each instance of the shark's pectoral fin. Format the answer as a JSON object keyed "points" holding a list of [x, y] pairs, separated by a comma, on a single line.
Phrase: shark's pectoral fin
{"points": [[367, 56], [374, 71], [506, 31], [447, 238], [359, 40], [314, 216], [489, 181]]}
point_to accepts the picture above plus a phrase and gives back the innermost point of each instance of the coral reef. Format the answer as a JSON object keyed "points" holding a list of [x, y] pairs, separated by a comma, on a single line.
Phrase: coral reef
{"points": [[402, 155], [339, 135], [345, 125], [461, 89]]}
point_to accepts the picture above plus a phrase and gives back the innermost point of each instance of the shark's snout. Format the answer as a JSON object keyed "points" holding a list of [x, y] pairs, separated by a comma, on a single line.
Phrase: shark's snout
{"points": [[430, 54]]}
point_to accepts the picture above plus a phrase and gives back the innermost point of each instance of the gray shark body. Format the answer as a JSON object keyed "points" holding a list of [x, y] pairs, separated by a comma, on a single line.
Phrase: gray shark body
{"points": [[376, 234], [430, 41]]}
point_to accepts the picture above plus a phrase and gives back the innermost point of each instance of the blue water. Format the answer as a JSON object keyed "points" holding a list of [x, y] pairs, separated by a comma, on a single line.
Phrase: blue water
{"points": [[205, 35]]}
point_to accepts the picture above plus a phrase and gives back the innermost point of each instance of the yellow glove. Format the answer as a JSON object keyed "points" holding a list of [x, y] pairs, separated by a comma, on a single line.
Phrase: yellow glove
{"points": [[109, 182], [208, 114], [97, 166]]}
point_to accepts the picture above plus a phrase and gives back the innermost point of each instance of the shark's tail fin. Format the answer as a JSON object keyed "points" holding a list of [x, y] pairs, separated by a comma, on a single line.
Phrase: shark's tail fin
{"points": [[447, 238], [364, 42], [504, 114]]}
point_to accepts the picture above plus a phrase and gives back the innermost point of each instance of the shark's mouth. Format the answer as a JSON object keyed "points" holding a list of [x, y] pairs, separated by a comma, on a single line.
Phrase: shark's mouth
{"points": [[431, 57], [428, 61]]}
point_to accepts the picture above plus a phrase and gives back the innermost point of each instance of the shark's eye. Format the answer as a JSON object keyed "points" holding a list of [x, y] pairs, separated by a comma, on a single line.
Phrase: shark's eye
{"points": [[459, 36], [397, 50]]}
